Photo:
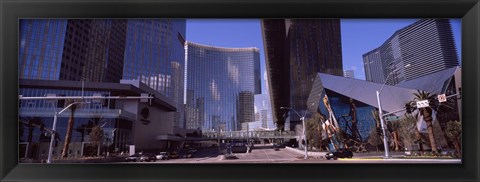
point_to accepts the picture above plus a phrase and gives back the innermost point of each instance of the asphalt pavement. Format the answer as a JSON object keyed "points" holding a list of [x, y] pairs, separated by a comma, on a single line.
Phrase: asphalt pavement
{"points": [[267, 154]]}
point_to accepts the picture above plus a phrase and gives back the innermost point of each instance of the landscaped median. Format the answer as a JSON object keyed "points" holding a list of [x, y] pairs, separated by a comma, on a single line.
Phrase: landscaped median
{"points": [[310, 154]]}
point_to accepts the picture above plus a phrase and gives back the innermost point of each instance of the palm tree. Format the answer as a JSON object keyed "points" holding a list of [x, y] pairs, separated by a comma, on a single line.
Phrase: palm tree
{"points": [[426, 113], [32, 122], [394, 128], [71, 121], [96, 136]]}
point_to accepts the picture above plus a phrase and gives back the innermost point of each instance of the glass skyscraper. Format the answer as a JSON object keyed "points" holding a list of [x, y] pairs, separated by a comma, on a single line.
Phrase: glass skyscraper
{"points": [[427, 46], [220, 86], [41, 48], [155, 55], [73, 49], [296, 50]]}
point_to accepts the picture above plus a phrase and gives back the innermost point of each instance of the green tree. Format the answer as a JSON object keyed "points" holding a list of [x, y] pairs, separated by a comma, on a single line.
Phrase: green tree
{"points": [[426, 113], [71, 121], [408, 131], [85, 129], [374, 138], [454, 134], [314, 131], [378, 125]]}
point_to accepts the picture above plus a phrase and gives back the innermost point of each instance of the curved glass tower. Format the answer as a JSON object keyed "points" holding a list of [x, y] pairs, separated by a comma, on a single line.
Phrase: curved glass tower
{"points": [[220, 86]]}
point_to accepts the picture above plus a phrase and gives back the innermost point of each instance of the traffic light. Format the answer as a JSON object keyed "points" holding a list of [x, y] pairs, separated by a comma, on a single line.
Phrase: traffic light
{"points": [[150, 100], [61, 102]]}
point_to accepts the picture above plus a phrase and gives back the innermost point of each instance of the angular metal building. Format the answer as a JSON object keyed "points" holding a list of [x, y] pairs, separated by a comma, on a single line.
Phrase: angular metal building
{"points": [[346, 104]]}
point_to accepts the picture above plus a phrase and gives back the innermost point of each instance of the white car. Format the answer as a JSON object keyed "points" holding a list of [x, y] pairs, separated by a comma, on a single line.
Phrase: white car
{"points": [[163, 156]]}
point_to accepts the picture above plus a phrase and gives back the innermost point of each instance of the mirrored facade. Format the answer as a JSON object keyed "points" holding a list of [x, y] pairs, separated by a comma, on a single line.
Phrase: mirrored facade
{"points": [[72, 49], [41, 48], [155, 55], [220, 86]]}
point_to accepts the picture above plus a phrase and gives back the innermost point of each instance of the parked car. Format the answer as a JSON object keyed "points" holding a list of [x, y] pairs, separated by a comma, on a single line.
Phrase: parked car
{"points": [[133, 158], [173, 155], [147, 158], [187, 155], [192, 150], [340, 153], [163, 156], [277, 146]]}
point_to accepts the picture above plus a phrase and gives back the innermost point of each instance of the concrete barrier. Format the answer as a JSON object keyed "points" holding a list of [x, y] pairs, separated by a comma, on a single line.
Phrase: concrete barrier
{"points": [[311, 154]]}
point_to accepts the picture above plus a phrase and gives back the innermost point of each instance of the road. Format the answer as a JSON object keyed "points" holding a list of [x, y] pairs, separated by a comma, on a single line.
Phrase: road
{"points": [[266, 154]]}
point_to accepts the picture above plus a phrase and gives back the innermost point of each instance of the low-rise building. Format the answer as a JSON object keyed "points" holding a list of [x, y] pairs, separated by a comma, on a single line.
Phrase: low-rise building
{"points": [[146, 124]]}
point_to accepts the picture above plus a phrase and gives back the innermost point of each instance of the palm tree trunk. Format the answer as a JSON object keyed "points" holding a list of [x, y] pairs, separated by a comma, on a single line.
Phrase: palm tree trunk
{"points": [[427, 116], [319, 130], [68, 135], [457, 147], [395, 140]]}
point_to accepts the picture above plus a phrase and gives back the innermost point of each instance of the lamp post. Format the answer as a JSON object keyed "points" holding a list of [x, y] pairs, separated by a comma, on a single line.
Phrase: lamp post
{"points": [[380, 113], [302, 118], [54, 132]]}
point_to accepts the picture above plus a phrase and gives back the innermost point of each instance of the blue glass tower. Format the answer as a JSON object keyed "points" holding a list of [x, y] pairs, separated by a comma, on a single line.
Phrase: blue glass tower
{"points": [[41, 48], [155, 55]]}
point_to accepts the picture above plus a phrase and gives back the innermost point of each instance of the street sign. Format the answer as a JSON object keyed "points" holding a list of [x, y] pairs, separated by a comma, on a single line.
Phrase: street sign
{"points": [[442, 98], [97, 95], [422, 104], [144, 97], [392, 118], [51, 101]]}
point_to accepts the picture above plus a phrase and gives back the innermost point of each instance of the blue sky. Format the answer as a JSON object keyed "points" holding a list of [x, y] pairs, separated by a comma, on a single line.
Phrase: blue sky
{"points": [[358, 36]]}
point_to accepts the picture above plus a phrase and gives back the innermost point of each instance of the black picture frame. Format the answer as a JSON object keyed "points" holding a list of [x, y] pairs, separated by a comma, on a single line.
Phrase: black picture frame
{"points": [[11, 11]]}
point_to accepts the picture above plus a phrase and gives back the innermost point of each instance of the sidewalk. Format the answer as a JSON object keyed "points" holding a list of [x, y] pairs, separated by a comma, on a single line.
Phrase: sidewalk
{"points": [[366, 155]]}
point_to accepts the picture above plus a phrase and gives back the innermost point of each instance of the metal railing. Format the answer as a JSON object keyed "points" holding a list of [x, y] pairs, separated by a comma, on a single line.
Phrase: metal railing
{"points": [[248, 134]]}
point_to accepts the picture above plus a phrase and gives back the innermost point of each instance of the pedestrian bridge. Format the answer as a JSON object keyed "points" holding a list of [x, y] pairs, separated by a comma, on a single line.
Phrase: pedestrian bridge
{"points": [[236, 135]]}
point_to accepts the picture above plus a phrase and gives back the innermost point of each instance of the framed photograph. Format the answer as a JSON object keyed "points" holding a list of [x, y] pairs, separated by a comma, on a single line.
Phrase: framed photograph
{"points": [[76, 104]]}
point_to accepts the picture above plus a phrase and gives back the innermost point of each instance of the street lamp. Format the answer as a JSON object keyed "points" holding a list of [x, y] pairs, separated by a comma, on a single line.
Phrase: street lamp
{"points": [[380, 113], [304, 134], [50, 149]]}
